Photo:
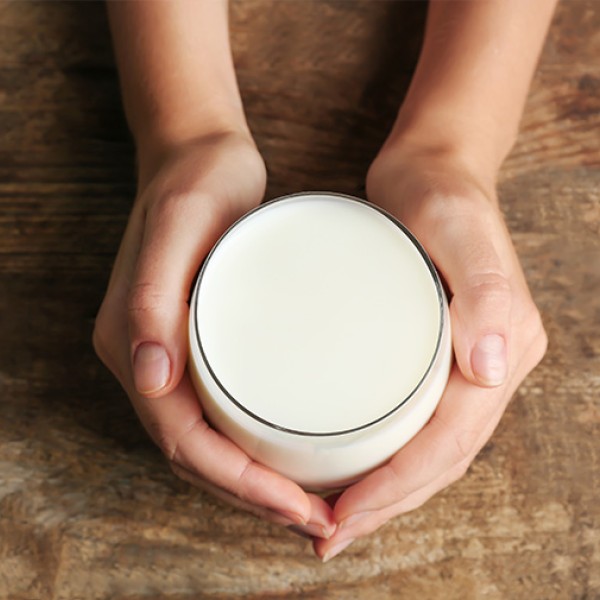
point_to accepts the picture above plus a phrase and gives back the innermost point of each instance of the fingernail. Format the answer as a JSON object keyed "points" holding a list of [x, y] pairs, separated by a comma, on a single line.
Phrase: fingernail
{"points": [[488, 360], [151, 368], [310, 530], [352, 519], [336, 550], [293, 517]]}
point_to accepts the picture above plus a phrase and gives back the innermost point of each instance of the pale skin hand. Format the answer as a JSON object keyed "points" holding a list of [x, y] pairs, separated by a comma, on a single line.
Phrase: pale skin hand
{"points": [[460, 225], [199, 170], [450, 138], [437, 174]]}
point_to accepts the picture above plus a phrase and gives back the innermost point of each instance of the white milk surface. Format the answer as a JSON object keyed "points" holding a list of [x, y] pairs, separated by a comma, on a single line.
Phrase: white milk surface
{"points": [[318, 314]]}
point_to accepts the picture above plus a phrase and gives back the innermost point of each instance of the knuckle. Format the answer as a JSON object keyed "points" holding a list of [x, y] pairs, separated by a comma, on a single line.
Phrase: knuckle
{"points": [[98, 341], [104, 337], [399, 484], [532, 326], [465, 443], [531, 317], [100, 336], [462, 445], [145, 298], [171, 443], [165, 442], [490, 285], [243, 477], [541, 345]]}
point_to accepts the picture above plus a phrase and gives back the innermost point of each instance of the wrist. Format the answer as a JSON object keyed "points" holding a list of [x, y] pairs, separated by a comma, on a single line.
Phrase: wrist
{"points": [[418, 170], [162, 132], [433, 152], [160, 139], [177, 73], [478, 144]]}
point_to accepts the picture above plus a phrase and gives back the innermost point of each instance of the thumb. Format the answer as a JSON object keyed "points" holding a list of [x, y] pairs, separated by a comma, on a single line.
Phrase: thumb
{"points": [[178, 233], [480, 311], [473, 255], [480, 307]]}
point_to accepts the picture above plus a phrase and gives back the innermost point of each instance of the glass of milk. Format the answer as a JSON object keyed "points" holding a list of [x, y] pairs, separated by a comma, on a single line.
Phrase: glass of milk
{"points": [[319, 337]]}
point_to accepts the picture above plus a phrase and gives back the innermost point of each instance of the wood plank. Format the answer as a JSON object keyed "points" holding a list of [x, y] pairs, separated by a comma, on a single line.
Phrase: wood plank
{"points": [[88, 507]]}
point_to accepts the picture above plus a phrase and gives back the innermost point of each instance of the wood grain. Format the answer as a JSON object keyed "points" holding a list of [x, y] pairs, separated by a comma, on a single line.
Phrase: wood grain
{"points": [[88, 508]]}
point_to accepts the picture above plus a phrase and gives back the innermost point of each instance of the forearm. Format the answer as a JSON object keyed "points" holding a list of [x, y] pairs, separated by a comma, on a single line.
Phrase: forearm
{"points": [[176, 70], [472, 78]]}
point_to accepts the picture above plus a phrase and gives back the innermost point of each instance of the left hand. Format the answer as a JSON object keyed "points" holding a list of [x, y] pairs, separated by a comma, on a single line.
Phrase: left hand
{"points": [[497, 332]]}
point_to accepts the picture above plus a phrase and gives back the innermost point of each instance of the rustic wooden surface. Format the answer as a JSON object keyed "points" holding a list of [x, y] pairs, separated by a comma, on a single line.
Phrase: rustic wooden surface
{"points": [[88, 509]]}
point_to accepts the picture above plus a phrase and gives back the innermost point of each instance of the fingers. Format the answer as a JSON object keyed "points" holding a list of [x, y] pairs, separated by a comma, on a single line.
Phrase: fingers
{"points": [[442, 451], [199, 453], [231, 499], [446, 444], [438, 456], [176, 424], [321, 523]]}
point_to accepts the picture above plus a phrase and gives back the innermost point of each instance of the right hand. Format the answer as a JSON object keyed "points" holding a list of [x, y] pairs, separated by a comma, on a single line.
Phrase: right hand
{"points": [[187, 197], [453, 211]]}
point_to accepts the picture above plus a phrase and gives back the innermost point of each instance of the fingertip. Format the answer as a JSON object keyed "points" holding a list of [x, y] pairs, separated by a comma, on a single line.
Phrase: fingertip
{"points": [[335, 550], [322, 516], [319, 547], [358, 498], [489, 360], [268, 488], [481, 353], [151, 369], [326, 549]]}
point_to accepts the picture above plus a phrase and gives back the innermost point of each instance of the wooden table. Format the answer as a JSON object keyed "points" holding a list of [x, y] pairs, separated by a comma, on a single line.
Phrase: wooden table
{"points": [[88, 507]]}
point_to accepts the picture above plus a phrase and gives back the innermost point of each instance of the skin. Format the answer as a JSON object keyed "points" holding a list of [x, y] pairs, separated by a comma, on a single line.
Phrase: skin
{"points": [[199, 170]]}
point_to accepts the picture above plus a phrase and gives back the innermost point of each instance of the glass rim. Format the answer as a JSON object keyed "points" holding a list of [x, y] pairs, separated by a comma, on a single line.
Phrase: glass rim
{"points": [[298, 432]]}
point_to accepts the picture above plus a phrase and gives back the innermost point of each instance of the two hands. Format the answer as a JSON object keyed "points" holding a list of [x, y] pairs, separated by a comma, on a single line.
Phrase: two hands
{"points": [[188, 195]]}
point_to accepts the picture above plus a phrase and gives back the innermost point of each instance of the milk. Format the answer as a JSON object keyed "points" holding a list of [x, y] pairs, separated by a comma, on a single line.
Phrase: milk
{"points": [[319, 337]]}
